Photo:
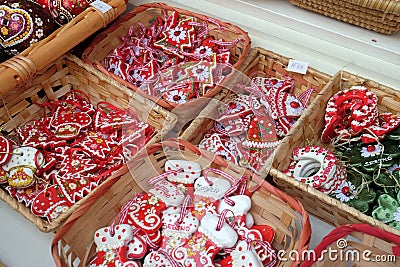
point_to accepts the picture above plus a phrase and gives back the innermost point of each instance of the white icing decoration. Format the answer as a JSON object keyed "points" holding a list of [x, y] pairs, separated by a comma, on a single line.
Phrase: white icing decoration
{"points": [[241, 256], [249, 220], [22, 156], [189, 223], [191, 171], [168, 193], [242, 205], [226, 237], [122, 235], [215, 191], [156, 259]]}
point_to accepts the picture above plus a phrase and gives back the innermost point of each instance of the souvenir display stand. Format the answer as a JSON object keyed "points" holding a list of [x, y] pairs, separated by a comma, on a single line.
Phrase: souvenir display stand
{"points": [[277, 29]]}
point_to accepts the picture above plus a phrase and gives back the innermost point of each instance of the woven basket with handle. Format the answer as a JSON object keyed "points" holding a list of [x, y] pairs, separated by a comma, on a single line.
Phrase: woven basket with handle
{"points": [[260, 62], [382, 16], [308, 133], [73, 244], [66, 74], [21, 68], [356, 245], [146, 14]]}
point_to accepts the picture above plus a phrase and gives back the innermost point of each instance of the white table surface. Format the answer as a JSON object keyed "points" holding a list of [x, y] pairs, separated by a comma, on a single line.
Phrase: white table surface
{"points": [[327, 44]]}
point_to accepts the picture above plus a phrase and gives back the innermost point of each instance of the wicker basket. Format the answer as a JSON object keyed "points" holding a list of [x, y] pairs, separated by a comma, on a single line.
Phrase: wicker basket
{"points": [[378, 15], [356, 245], [261, 62], [308, 133], [73, 244], [24, 66], [70, 73], [146, 14]]}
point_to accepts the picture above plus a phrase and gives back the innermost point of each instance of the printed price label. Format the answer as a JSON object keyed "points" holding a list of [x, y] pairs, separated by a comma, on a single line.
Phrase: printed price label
{"points": [[297, 66], [101, 6]]}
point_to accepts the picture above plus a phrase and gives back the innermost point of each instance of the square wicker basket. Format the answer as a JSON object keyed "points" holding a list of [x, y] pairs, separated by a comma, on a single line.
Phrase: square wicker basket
{"points": [[73, 244], [382, 16], [146, 14], [261, 62], [66, 74], [308, 133]]}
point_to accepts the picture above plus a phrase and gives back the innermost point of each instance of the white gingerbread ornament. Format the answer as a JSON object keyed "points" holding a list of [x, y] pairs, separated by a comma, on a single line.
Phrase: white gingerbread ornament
{"points": [[22, 166], [112, 246]]}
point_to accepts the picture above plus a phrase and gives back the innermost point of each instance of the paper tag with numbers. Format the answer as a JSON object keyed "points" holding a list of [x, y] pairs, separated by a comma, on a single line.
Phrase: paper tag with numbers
{"points": [[297, 66], [101, 6]]}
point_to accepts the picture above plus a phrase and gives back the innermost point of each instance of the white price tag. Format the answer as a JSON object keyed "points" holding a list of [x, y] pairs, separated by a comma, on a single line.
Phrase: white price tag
{"points": [[297, 66], [101, 6]]}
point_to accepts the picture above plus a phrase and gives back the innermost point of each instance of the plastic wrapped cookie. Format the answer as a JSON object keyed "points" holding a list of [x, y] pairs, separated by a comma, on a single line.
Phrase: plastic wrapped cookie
{"points": [[23, 23]]}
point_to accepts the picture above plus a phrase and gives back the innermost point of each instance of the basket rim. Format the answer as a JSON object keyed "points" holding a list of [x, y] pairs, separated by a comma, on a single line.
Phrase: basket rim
{"points": [[162, 6], [386, 6], [382, 16]]}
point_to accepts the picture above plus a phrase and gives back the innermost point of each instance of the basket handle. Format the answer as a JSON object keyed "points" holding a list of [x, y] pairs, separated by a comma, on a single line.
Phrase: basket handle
{"points": [[344, 230]]}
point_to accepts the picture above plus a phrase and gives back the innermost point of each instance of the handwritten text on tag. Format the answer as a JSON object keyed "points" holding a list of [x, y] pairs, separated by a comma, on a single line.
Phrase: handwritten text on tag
{"points": [[297, 66]]}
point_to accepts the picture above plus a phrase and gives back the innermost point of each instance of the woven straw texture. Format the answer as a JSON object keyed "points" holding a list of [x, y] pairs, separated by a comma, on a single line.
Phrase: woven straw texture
{"points": [[66, 74], [146, 14], [20, 69], [73, 244], [308, 133], [382, 16], [260, 62], [358, 245]]}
